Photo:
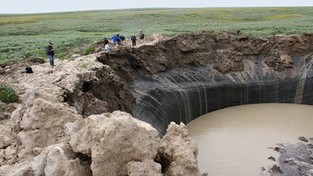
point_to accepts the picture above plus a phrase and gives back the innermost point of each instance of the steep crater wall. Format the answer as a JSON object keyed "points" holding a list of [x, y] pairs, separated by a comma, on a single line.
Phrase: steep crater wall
{"points": [[187, 76], [184, 94]]}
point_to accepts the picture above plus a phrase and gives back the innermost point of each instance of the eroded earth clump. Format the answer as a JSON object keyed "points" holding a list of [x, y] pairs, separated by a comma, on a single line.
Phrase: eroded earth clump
{"points": [[294, 159], [75, 119]]}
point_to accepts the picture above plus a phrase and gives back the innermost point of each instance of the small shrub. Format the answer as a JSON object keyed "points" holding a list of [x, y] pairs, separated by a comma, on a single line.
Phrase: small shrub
{"points": [[7, 93]]}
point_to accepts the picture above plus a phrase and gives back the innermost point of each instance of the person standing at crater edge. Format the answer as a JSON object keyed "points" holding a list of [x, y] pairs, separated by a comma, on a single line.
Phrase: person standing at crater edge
{"points": [[50, 53], [133, 39]]}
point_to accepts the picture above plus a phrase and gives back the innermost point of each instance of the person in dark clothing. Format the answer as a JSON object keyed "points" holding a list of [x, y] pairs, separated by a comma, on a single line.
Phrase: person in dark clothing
{"points": [[133, 39], [122, 37], [50, 53], [119, 40], [106, 41]]}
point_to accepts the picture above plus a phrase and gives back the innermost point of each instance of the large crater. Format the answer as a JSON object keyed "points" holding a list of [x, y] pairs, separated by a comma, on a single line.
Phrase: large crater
{"points": [[190, 75]]}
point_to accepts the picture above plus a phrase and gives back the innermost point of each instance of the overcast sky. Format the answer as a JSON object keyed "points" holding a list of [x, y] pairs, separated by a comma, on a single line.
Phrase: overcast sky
{"points": [[39, 6]]}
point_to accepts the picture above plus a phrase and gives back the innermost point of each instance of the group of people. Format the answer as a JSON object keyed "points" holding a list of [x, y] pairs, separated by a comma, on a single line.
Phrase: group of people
{"points": [[133, 38], [117, 40]]}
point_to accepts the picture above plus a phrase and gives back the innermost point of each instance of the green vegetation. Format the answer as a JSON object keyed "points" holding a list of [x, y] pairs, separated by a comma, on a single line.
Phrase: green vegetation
{"points": [[7, 93], [25, 36]]}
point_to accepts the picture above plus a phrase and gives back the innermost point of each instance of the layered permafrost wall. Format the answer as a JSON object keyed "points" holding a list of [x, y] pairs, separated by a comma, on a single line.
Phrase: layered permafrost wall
{"points": [[182, 95], [181, 78]]}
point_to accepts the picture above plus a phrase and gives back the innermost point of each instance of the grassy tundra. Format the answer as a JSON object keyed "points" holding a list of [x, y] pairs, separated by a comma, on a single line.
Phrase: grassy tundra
{"points": [[26, 36]]}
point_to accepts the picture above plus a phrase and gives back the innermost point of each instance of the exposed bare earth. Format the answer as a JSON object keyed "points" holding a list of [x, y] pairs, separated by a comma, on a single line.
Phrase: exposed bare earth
{"points": [[79, 94]]}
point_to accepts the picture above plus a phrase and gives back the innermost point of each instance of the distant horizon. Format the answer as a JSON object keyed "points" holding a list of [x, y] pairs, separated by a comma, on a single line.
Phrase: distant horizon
{"points": [[56, 6], [143, 8]]}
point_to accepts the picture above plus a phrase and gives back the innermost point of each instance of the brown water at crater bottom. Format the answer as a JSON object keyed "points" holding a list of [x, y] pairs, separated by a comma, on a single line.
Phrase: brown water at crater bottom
{"points": [[235, 141]]}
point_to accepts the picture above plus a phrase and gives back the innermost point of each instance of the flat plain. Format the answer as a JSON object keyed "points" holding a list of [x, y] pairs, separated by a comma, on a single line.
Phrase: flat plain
{"points": [[24, 36]]}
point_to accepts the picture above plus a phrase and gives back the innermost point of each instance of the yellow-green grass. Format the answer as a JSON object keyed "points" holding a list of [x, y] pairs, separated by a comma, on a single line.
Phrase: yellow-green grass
{"points": [[26, 36]]}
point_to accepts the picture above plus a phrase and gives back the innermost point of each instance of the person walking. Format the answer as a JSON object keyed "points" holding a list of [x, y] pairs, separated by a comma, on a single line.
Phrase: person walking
{"points": [[133, 39], [50, 53]]}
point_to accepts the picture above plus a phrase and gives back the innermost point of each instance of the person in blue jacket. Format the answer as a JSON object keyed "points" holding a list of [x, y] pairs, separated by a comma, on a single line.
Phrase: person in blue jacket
{"points": [[115, 39]]}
